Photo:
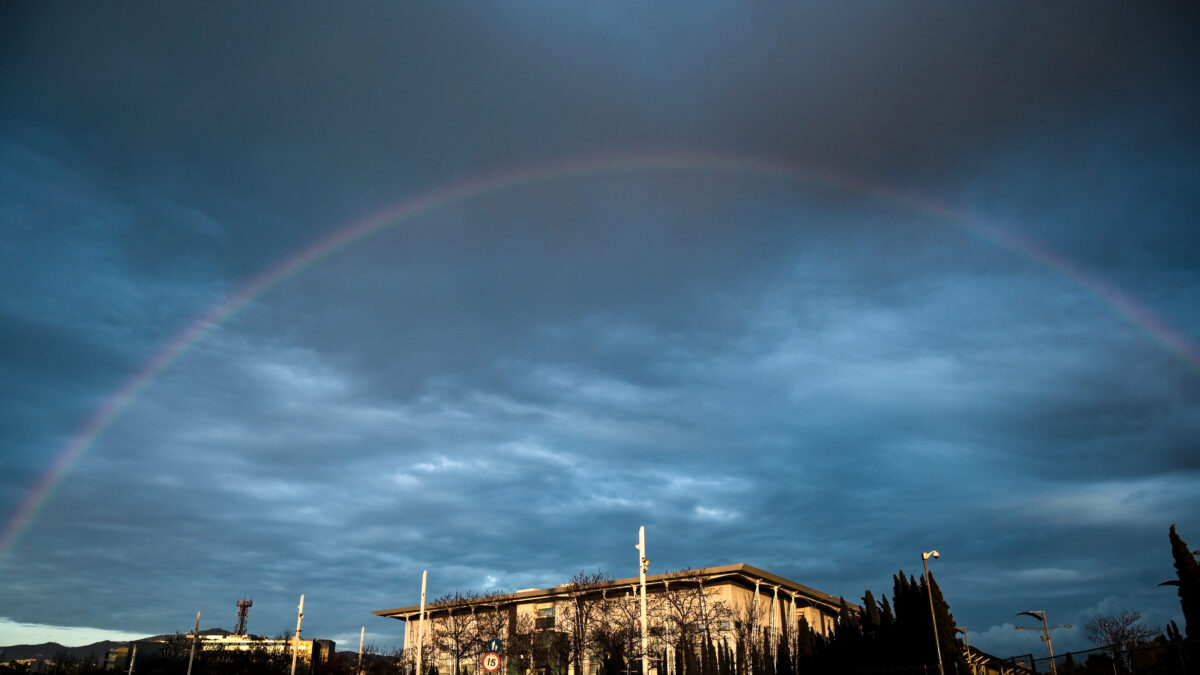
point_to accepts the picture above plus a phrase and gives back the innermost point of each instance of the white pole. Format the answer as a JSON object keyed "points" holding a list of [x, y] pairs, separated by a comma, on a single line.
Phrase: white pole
{"points": [[132, 658], [296, 637], [195, 636], [937, 643], [643, 563], [361, 637], [421, 621]]}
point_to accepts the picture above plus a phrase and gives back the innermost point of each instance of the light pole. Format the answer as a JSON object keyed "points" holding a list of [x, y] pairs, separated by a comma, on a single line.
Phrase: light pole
{"points": [[929, 587], [1040, 614]]}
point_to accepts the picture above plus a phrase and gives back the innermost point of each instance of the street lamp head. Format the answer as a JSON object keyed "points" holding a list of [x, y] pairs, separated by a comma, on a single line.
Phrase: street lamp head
{"points": [[931, 554]]}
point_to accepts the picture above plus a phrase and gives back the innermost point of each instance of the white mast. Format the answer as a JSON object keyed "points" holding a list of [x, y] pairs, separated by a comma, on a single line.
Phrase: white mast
{"points": [[296, 637], [195, 636], [361, 637], [643, 563], [421, 621]]}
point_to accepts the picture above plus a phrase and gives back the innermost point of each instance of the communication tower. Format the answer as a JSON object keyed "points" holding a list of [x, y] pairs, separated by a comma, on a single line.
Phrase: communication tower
{"points": [[243, 606]]}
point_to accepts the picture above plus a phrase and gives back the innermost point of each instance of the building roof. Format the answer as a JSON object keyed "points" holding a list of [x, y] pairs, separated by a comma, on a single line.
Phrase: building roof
{"points": [[740, 573]]}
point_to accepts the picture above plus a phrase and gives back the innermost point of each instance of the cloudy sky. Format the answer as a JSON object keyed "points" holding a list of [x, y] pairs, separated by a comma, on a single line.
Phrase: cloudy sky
{"points": [[309, 298]]}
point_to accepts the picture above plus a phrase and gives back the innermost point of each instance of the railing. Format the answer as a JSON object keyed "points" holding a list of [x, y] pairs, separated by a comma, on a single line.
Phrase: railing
{"points": [[1180, 657]]}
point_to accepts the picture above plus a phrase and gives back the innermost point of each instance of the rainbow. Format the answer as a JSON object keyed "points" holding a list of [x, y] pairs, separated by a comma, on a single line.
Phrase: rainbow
{"points": [[506, 180]]}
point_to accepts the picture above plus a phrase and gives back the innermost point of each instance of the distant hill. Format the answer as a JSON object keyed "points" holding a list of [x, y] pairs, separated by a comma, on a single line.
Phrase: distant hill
{"points": [[96, 650], [49, 650]]}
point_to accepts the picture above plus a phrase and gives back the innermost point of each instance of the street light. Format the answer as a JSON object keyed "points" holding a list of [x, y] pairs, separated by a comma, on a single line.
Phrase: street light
{"points": [[929, 587], [1041, 615]]}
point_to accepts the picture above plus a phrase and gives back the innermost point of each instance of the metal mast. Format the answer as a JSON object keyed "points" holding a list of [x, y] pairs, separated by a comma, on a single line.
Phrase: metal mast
{"points": [[243, 613], [195, 636], [296, 637], [361, 637], [421, 622], [643, 564]]}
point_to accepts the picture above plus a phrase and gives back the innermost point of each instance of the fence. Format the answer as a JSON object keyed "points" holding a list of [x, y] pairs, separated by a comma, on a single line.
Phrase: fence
{"points": [[1180, 657]]}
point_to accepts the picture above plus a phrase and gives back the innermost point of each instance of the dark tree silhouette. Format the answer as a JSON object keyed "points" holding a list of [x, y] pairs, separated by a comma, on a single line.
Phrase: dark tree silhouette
{"points": [[1119, 630], [1187, 570]]}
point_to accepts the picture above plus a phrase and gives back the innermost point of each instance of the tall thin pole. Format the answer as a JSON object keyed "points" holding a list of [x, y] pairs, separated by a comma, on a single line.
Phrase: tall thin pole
{"points": [[132, 658], [967, 647], [361, 637], [937, 643], [296, 637], [421, 622], [643, 564], [1049, 647], [195, 636]]}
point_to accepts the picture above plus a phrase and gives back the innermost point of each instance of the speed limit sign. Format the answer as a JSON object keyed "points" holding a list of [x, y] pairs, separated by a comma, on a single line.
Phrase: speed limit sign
{"points": [[491, 662]]}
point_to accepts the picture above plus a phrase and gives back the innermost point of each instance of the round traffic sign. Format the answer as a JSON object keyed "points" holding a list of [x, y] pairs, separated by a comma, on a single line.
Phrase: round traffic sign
{"points": [[491, 662]]}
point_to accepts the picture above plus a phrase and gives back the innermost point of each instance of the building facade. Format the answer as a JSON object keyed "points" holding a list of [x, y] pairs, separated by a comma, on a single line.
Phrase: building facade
{"points": [[309, 651], [592, 625]]}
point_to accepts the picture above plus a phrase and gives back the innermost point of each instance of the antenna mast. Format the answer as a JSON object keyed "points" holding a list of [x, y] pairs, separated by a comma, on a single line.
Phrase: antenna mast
{"points": [[243, 606]]}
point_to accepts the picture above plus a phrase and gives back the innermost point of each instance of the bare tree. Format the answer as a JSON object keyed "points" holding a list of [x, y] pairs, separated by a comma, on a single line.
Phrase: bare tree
{"points": [[521, 646], [616, 637], [690, 613], [749, 619], [1118, 630], [579, 614], [457, 632], [491, 617]]}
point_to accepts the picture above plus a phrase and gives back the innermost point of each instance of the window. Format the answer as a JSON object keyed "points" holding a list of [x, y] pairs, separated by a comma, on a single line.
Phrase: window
{"points": [[545, 619]]}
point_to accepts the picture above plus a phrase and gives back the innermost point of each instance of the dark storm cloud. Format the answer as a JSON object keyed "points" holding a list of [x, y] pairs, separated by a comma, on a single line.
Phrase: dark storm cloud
{"points": [[817, 379]]}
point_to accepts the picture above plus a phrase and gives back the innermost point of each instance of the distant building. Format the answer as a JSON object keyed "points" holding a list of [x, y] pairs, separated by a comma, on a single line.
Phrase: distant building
{"points": [[318, 651], [117, 658], [721, 603]]}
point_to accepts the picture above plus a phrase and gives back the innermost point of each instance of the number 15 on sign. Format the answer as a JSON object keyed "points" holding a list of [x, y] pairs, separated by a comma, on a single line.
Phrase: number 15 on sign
{"points": [[491, 662]]}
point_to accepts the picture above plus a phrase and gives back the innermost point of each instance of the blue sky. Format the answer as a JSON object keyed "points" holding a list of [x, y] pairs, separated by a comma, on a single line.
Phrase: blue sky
{"points": [[843, 284]]}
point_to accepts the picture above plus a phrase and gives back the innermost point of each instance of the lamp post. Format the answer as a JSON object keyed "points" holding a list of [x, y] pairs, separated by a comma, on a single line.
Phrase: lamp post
{"points": [[929, 587], [1040, 614]]}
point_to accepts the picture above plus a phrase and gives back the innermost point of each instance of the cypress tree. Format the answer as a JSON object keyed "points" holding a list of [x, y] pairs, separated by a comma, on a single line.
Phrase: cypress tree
{"points": [[766, 655], [870, 615], [908, 623], [952, 654], [1188, 572], [783, 654], [885, 613]]}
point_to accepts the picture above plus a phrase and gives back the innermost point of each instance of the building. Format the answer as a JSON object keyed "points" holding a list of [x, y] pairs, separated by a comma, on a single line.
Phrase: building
{"points": [[319, 651], [556, 630]]}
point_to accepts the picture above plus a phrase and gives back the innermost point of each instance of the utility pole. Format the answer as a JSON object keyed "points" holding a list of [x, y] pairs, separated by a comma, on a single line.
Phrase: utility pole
{"points": [[421, 623], [296, 637], [195, 636], [1041, 615], [643, 564], [361, 637]]}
